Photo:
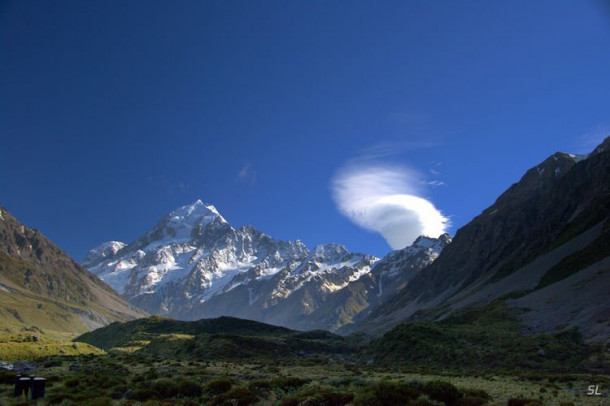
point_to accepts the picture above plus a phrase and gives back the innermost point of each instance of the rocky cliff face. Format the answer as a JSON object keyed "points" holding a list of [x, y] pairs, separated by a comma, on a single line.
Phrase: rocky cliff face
{"points": [[42, 286], [550, 226], [194, 264]]}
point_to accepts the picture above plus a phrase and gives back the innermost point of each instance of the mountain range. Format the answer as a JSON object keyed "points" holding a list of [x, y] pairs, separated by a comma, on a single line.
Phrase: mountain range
{"points": [[542, 248], [194, 264]]}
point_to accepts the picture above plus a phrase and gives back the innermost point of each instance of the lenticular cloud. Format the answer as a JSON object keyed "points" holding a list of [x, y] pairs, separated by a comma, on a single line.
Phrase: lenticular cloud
{"points": [[383, 199]]}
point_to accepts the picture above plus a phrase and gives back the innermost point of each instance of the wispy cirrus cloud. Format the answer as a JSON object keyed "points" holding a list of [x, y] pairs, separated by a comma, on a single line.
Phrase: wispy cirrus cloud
{"points": [[590, 139], [246, 174], [385, 199], [433, 183], [169, 186]]}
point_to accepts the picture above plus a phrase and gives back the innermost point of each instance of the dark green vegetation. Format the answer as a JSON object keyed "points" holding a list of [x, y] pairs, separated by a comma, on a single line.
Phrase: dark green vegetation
{"points": [[475, 357], [475, 339], [219, 339], [489, 338], [138, 379]]}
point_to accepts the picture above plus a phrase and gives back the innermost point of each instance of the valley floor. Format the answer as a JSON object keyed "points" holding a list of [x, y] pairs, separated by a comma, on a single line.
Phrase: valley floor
{"points": [[128, 379]]}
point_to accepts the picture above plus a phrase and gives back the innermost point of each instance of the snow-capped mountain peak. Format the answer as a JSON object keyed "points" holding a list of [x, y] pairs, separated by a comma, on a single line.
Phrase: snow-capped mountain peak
{"points": [[195, 211], [194, 264], [103, 251], [182, 221], [435, 245]]}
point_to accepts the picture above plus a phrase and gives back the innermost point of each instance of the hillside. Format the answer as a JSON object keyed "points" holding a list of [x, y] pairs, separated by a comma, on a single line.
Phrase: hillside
{"points": [[544, 245], [221, 338], [41, 287]]}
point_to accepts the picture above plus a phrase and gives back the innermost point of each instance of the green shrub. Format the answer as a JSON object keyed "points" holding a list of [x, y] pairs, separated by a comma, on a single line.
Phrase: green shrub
{"points": [[57, 398], [335, 398], [476, 393], [100, 401], [235, 397], [260, 386], [524, 402], [7, 377], [189, 388], [386, 393], [422, 401], [118, 391], [289, 383], [143, 394], [442, 391], [472, 401], [219, 385], [52, 362], [72, 382], [166, 388], [290, 400]]}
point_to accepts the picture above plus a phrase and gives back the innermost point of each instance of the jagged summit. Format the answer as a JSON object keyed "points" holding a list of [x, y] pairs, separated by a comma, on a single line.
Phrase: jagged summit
{"points": [[103, 251], [330, 252], [195, 211], [435, 244], [604, 146]]}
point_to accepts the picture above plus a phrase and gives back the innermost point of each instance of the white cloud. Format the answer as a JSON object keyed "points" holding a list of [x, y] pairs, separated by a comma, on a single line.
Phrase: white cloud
{"points": [[384, 199]]}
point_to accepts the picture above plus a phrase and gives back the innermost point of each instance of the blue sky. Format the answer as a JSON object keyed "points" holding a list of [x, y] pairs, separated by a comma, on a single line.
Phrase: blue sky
{"points": [[114, 113]]}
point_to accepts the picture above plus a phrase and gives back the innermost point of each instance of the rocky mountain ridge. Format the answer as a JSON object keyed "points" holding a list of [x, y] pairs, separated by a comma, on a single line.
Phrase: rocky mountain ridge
{"points": [[41, 286], [193, 264], [545, 242]]}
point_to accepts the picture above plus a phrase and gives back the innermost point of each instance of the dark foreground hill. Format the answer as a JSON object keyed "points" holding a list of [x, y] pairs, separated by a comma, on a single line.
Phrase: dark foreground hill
{"points": [[214, 339], [42, 287]]}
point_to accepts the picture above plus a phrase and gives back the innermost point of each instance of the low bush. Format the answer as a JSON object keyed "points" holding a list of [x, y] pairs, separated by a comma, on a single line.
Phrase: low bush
{"points": [[476, 393], [422, 401], [386, 393], [235, 397], [524, 402], [219, 386], [290, 400], [72, 381], [141, 394], [101, 401], [117, 392], [166, 388], [260, 386], [7, 377], [189, 388], [472, 401], [58, 398], [329, 397], [289, 383], [442, 391]]}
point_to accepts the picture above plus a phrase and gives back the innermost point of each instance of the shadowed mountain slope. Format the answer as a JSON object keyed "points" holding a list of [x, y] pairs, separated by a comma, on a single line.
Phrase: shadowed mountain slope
{"points": [[544, 240], [41, 286]]}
